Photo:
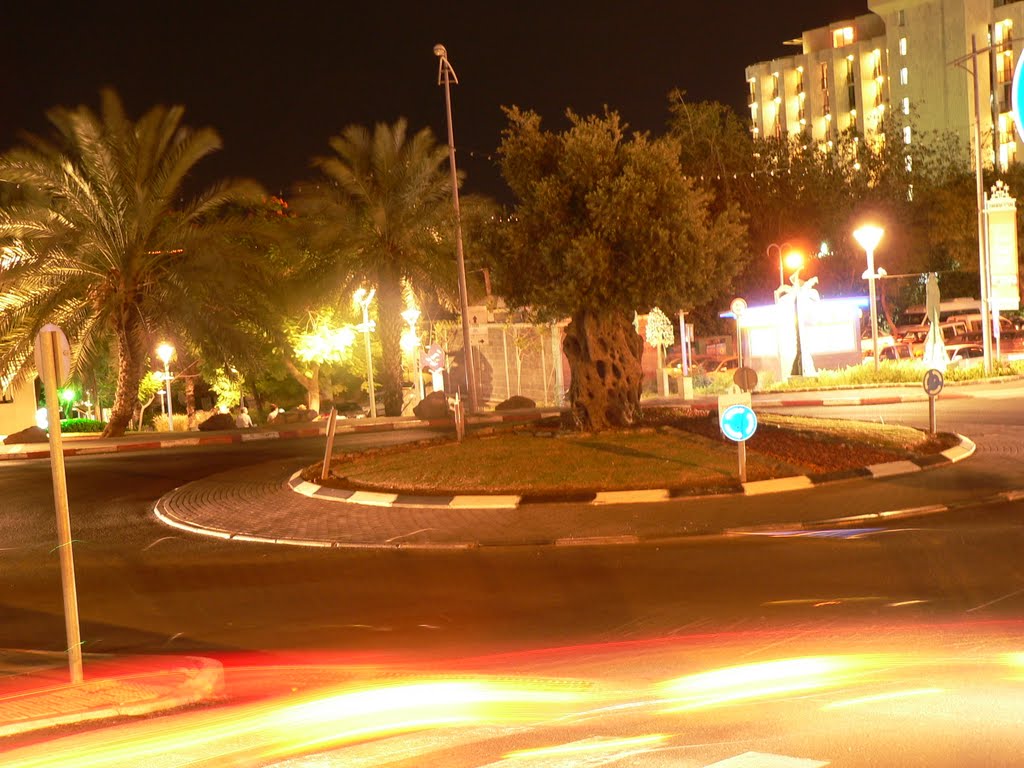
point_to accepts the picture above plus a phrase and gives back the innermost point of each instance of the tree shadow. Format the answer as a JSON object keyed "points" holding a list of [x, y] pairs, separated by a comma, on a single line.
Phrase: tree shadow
{"points": [[633, 453]]}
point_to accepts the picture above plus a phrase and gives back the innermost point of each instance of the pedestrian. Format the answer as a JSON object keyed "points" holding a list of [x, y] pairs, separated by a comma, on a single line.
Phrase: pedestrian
{"points": [[243, 421], [271, 413]]}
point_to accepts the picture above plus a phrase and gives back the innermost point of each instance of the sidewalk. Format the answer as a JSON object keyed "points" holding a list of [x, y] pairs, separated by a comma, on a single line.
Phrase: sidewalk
{"points": [[84, 445], [35, 692]]}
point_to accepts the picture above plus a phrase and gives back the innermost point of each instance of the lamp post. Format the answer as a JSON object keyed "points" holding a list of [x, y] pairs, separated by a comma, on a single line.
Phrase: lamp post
{"points": [[363, 299], [165, 352], [412, 345], [789, 258], [446, 75], [868, 236]]}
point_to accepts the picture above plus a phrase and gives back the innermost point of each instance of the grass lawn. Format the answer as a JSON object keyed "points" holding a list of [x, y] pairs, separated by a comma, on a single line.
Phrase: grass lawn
{"points": [[684, 452]]}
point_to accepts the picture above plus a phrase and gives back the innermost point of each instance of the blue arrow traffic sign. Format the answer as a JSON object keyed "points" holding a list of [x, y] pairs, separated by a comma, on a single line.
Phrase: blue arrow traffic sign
{"points": [[933, 382], [739, 422]]}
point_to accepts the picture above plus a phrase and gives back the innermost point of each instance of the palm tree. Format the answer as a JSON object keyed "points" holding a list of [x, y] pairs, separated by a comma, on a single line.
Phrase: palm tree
{"points": [[382, 215], [102, 242]]}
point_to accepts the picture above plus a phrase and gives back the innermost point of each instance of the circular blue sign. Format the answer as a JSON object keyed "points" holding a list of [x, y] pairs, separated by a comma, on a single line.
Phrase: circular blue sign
{"points": [[1016, 97], [739, 422], [933, 382]]}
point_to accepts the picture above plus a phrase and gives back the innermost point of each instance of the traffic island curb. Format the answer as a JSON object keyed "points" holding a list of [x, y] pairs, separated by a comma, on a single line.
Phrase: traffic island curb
{"points": [[187, 681], [957, 453]]}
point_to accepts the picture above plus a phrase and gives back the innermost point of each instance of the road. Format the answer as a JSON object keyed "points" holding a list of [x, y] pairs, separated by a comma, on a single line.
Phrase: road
{"points": [[144, 587]]}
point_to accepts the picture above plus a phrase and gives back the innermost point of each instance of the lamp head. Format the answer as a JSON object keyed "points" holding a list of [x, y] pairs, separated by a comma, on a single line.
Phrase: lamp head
{"points": [[440, 51], [868, 236], [165, 352], [794, 260]]}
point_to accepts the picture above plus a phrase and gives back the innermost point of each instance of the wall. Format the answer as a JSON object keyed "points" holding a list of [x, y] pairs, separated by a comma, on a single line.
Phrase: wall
{"points": [[18, 409]]}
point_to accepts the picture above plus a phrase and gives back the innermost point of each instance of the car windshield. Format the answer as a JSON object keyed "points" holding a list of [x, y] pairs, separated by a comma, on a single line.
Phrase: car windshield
{"points": [[511, 385]]}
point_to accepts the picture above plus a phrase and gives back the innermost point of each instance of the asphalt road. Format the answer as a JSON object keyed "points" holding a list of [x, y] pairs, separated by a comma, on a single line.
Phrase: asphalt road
{"points": [[146, 588]]}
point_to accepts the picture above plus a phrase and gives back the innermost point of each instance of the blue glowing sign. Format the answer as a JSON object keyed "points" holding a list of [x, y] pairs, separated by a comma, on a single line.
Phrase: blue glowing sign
{"points": [[1017, 98], [933, 382], [738, 422]]}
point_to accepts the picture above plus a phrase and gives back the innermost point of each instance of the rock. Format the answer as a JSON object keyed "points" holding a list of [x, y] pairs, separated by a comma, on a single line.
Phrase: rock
{"points": [[515, 403], [295, 416], [433, 406], [217, 422], [28, 435]]}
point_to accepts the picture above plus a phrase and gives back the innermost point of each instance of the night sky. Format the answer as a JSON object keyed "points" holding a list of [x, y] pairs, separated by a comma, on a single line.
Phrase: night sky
{"points": [[276, 80]]}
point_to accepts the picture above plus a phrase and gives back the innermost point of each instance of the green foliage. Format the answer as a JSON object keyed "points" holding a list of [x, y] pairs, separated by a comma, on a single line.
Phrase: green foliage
{"points": [[606, 222], [160, 422], [227, 384], [151, 384], [104, 243], [82, 425]]}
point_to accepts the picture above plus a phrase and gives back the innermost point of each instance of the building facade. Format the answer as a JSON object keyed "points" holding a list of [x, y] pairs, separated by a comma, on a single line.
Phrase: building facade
{"points": [[908, 56]]}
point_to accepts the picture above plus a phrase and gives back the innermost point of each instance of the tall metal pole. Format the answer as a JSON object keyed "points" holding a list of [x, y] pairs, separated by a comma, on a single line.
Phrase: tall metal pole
{"points": [[60, 499], [986, 327], [874, 305], [467, 351], [167, 394]]}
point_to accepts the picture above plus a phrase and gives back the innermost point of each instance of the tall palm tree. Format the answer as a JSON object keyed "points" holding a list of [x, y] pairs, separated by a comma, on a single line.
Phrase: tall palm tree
{"points": [[103, 243], [381, 215]]}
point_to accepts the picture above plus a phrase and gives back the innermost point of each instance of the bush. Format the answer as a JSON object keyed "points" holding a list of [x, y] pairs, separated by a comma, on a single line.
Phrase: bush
{"points": [[180, 422], [82, 425]]}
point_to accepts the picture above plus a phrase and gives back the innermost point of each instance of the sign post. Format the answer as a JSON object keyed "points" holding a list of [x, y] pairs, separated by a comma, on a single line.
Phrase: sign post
{"points": [[738, 307], [738, 422], [332, 425], [53, 361], [933, 382]]}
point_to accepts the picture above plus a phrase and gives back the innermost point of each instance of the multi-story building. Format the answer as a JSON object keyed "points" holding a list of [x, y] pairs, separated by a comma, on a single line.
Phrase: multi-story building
{"points": [[905, 55]]}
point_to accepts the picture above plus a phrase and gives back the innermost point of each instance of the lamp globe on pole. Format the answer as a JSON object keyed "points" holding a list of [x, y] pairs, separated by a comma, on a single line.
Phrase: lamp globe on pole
{"points": [[868, 236]]}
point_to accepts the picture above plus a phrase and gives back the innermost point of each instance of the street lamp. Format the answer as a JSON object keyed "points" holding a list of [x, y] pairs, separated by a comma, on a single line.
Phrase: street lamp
{"points": [[868, 236], [165, 352], [411, 344], [791, 259], [446, 75], [363, 298]]}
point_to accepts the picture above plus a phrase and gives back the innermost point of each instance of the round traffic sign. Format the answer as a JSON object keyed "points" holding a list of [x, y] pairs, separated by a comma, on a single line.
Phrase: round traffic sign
{"points": [[745, 378], [738, 307], [61, 353], [933, 382], [739, 422]]}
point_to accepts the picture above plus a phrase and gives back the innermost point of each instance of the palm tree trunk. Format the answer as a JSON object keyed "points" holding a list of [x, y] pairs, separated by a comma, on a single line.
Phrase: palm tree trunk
{"points": [[131, 360], [190, 402], [389, 325]]}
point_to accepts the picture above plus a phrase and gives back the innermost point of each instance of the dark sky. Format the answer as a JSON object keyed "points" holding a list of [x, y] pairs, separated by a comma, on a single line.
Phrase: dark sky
{"points": [[276, 80]]}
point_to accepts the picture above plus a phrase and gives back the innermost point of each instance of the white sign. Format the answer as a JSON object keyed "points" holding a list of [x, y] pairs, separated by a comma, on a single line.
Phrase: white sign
{"points": [[1002, 250], [62, 353]]}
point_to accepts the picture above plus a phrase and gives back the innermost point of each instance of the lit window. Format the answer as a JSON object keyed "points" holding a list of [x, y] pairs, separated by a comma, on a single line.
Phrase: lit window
{"points": [[906, 105], [904, 76], [901, 18], [903, 46], [906, 134], [842, 36]]}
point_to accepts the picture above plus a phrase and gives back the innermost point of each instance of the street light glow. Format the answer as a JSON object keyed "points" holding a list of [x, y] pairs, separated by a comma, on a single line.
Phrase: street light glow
{"points": [[794, 261], [165, 352], [868, 236]]}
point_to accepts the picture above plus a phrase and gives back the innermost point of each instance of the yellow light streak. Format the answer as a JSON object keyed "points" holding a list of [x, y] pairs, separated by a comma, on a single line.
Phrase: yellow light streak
{"points": [[883, 697]]}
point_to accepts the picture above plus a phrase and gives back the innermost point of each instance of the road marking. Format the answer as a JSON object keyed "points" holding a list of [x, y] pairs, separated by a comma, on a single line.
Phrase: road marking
{"points": [[484, 502], [595, 541], [890, 468], [780, 484], [372, 498], [629, 497]]}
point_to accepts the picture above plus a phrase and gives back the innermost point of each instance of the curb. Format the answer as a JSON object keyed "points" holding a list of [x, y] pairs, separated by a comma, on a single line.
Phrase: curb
{"points": [[318, 429], [204, 680], [957, 453]]}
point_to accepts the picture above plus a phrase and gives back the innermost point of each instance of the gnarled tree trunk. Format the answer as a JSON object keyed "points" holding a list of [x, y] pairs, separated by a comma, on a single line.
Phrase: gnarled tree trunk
{"points": [[604, 352], [190, 403], [310, 382]]}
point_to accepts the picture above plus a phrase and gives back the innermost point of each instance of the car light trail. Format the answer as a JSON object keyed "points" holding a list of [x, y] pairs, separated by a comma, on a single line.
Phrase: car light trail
{"points": [[889, 696], [618, 748]]}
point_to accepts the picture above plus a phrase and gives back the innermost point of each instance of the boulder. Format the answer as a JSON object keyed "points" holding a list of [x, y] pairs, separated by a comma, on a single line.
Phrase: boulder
{"points": [[217, 422], [433, 406], [295, 416], [515, 403], [28, 435]]}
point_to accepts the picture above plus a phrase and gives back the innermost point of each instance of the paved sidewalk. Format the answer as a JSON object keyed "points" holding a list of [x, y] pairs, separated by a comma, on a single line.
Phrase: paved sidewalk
{"points": [[35, 692]]}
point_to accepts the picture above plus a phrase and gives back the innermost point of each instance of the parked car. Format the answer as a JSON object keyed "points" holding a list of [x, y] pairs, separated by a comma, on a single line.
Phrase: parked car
{"points": [[897, 351], [866, 346], [965, 354], [708, 363]]}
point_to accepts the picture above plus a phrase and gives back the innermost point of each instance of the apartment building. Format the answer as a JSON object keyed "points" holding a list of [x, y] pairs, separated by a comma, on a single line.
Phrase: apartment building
{"points": [[901, 56]]}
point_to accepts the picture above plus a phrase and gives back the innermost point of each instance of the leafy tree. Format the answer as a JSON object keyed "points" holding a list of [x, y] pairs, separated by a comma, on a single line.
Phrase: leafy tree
{"points": [[380, 214], [605, 223], [104, 243]]}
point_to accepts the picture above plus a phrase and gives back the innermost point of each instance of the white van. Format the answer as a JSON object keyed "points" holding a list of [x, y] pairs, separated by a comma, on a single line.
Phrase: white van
{"points": [[973, 322]]}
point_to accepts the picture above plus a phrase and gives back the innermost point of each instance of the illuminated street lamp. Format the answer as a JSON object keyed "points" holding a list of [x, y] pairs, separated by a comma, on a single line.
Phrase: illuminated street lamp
{"points": [[789, 258], [363, 298], [868, 236], [165, 352], [411, 344], [68, 396], [446, 75]]}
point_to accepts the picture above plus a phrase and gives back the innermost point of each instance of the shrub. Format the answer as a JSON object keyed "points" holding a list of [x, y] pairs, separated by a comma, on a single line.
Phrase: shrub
{"points": [[180, 422], [82, 425]]}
